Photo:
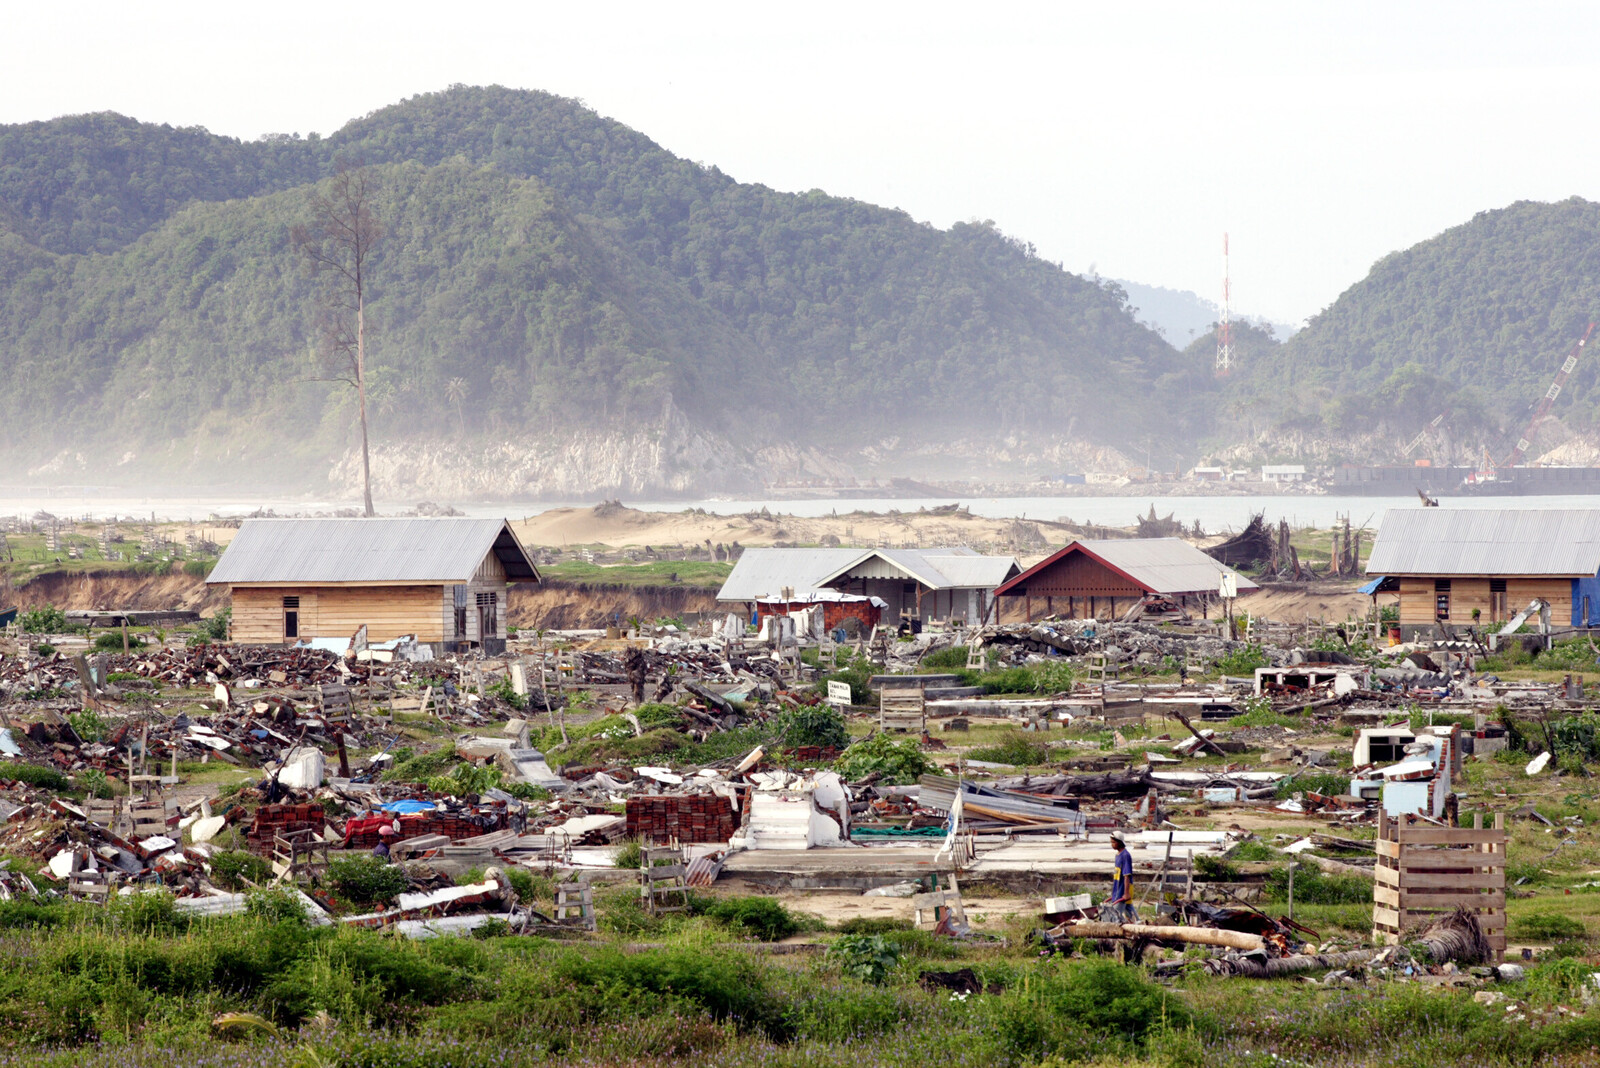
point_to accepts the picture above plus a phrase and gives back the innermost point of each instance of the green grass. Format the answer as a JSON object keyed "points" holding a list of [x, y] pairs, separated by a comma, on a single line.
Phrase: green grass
{"points": [[705, 573]]}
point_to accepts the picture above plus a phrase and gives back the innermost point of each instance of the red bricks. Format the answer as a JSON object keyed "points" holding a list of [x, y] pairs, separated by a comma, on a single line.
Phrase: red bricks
{"points": [[696, 818]]}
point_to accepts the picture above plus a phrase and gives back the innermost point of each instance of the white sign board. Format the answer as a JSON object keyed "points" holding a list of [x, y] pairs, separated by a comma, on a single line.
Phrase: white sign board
{"points": [[1229, 586], [839, 693]]}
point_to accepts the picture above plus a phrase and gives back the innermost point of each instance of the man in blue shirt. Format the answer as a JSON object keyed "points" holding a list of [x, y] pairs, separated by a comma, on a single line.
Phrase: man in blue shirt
{"points": [[1118, 908]]}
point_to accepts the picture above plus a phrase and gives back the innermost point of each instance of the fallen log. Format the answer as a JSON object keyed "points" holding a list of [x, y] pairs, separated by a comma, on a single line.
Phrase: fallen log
{"points": [[1457, 937], [1199, 936], [1204, 741]]}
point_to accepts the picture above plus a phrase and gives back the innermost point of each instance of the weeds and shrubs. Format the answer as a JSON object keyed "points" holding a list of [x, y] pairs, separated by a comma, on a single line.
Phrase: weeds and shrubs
{"points": [[1017, 748], [88, 725], [235, 869], [869, 958], [818, 725], [366, 880], [275, 906], [34, 775], [46, 620], [1243, 661], [213, 628], [858, 675], [1549, 927], [1260, 713], [1321, 782], [1313, 886], [467, 779], [895, 763], [111, 642], [760, 917], [421, 768]]}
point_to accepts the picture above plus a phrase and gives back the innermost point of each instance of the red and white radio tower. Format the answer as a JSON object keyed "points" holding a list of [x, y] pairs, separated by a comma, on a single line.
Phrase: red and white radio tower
{"points": [[1225, 328]]}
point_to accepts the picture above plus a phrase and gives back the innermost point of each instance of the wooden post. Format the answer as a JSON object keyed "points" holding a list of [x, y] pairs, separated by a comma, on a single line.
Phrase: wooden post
{"points": [[1028, 600], [124, 637]]}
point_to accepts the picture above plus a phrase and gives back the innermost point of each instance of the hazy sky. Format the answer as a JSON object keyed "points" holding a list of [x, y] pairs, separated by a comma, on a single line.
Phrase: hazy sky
{"points": [[1124, 135]]}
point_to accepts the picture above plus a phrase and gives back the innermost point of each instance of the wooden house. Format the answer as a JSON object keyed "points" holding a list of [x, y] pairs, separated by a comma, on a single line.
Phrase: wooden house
{"points": [[445, 581], [913, 586], [1461, 566], [1101, 578]]}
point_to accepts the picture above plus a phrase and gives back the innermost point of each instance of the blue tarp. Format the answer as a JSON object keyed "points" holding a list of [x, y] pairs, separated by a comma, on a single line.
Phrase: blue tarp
{"points": [[1371, 588], [405, 808]]}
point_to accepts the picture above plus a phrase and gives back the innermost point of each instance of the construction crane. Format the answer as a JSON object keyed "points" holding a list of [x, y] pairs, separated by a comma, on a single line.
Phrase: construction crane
{"points": [[1521, 448], [1430, 428]]}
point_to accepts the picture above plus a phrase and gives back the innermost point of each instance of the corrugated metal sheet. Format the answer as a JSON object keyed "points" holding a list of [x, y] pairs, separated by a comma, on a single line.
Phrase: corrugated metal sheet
{"points": [[1487, 541], [310, 551], [761, 573], [1165, 565]]}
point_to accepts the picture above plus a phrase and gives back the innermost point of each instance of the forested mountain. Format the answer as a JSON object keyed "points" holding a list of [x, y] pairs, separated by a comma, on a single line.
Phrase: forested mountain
{"points": [[1475, 322], [544, 267]]}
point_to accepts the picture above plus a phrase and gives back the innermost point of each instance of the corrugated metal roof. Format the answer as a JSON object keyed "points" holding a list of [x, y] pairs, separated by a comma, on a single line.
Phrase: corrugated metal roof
{"points": [[1161, 565], [367, 550], [1487, 541], [761, 573]]}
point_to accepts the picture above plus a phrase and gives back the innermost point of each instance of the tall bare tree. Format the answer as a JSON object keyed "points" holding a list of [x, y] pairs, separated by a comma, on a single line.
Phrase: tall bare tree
{"points": [[338, 243]]}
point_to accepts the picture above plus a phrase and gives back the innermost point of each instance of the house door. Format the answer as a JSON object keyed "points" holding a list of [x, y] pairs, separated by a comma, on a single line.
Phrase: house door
{"points": [[291, 619], [1497, 601], [1441, 599]]}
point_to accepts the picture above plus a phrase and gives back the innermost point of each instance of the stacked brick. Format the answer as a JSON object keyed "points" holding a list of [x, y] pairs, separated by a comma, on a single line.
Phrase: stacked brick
{"points": [[363, 832], [696, 818], [273, 820]]}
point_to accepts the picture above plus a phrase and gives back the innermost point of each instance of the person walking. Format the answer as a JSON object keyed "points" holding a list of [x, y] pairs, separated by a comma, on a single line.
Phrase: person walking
{"points": [[1118, 908]]}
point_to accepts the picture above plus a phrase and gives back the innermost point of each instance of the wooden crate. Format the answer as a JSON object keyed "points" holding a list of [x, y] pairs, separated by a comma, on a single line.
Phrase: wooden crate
{"points": [[1424, 871], [902, 709]]}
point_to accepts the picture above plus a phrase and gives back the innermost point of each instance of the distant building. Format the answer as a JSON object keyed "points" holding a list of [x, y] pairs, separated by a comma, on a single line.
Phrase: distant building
{"points": [[1446, 563], [1283, 473], [906, 584], [1101, 578], [1210, 474], [445, 581]]}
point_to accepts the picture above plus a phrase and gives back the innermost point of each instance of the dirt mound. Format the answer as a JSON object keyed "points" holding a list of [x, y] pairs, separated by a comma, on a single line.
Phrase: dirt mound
{"points": [[121, 589], [557, 605]]}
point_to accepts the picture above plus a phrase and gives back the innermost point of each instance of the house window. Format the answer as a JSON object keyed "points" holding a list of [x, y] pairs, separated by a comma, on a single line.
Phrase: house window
{"points": [[1497, 600], [459, 607], [488, 615], [1441, 599], [291, 618]]}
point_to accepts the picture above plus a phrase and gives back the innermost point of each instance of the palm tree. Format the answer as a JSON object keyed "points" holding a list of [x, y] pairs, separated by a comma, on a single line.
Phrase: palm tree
{"points": [[456, 392]]}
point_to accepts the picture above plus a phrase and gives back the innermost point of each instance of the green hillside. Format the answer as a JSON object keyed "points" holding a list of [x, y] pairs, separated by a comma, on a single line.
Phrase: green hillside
{"points": [[1476, 320], [559, 268]]}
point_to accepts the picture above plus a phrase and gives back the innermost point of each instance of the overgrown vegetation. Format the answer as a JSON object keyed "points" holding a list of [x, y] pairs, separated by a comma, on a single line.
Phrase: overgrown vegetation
{"points": [[894, 762]]}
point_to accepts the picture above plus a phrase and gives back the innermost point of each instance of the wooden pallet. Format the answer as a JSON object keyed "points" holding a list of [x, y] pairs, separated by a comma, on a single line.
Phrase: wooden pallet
{"points": [[902, 709], [1424, 871]]}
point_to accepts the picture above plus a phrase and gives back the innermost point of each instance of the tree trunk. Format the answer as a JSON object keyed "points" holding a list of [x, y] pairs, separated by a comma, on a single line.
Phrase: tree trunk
{"points": [[1199, 936], [361, 396]]}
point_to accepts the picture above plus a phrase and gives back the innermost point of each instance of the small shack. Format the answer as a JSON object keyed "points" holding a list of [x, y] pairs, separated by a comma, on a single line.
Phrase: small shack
{"points": [[913, 586], [1097, 579], [443, 581], [1461, 566]]}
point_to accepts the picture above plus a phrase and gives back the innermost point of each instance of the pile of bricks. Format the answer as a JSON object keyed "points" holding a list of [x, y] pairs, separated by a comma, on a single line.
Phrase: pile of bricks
{"points": [[364, 833], [696, 818], [273, 820]]}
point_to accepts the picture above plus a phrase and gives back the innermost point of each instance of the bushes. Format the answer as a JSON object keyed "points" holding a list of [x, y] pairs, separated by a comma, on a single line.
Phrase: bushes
{"points": [[1314, 887], [1017, 749], [46, 620], [1071, 1012], [761, 917], [111, 642], [1322, 782], [1549, 927], [819, 725], [898, 763], [214, 629], [232, 868], [34, 775], [858, 674], [869, 958], [1243, 661], [366, 880]]}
